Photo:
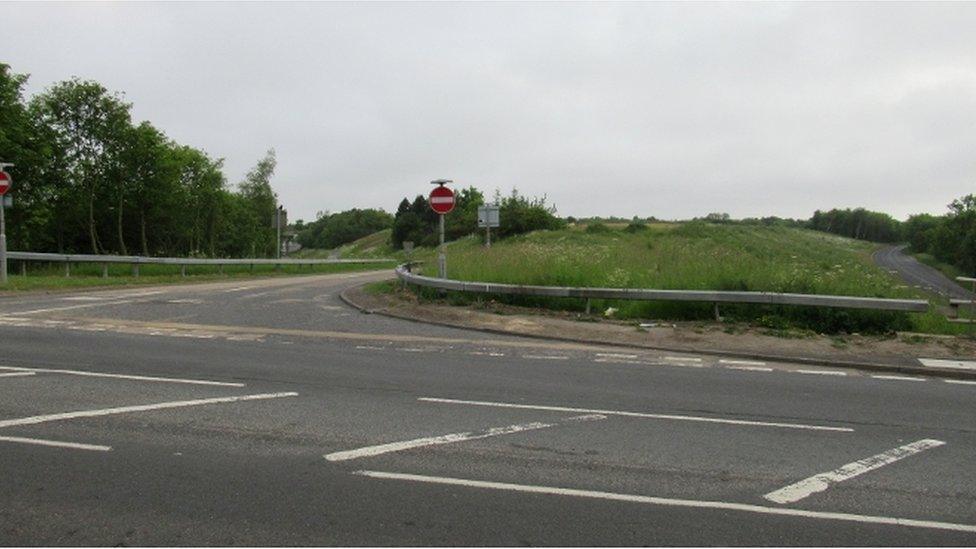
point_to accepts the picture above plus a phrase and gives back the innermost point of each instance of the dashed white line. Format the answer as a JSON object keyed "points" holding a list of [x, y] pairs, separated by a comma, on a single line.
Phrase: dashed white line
{"points": [[545, 357], [34, 420], [410, 350], [635, 414], [821, 372], [898, 378], [57, 443], [615, 355], [750, 368], [683, 358], [670, 502], [742, 362], [960, 381], [370, 451], [819, 483], [369, 347], [124, 376], [69, 307]]}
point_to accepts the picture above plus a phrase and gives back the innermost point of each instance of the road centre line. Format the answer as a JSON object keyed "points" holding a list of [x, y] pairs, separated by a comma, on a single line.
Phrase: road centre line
{"points": [[615, 355], [670, 502], [34, 420], [379, 449], [821, 372], [820, 482], [57, 443], [683, 358], [124, 376], [899, 378], [635, 414], [545, 357], [742, 362]]}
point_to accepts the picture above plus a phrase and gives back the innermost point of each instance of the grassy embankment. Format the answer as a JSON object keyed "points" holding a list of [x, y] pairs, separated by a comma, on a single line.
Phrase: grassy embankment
{"points": [[374, 246], [51, 276], [699, 256]]}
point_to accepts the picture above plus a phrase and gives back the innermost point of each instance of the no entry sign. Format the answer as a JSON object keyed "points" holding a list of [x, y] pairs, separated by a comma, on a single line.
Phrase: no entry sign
{"points": [[441, 200], [5, 183]]}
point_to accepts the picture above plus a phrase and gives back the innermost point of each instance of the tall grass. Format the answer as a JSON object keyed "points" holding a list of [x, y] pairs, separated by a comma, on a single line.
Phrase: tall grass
{"points": [[696, 256]]}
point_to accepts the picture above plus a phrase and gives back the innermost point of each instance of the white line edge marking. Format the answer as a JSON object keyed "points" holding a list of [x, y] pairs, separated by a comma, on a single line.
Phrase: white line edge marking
{"points": [[124, 376], [545, 357], [615, 355], [635, 414], [17, 374], [57, 444], [683, 358], [820, 482], [821, 372], [369, 451], [960, 381], [670, 502], [34, 420], [742, 362], [899, 378]]}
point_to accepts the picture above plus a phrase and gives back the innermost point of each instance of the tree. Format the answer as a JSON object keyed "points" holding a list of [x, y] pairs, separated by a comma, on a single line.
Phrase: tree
{"points": [[260, 203], [88, 127]]}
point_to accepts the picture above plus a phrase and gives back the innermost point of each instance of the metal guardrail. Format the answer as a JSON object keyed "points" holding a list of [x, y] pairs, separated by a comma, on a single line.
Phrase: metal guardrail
{"points": [[706, 296], [956, 304], [183, 262]]}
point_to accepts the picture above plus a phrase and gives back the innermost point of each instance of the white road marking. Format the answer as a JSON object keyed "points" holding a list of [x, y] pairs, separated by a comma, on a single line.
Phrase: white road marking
{"points": [[899, 378], [17, 374], [635, 414], [742, 362], [821, 372], [369, 347], [238, 289], [34, 420], [124, 376], [70, 307], [545, 357], [86, 298], [615, 355], [619, 361], [954, 364], [819, 483], [683, 358], [57, 443], [670, 502], [960, 381], [410, 350], [370, 451], [750, 368]]}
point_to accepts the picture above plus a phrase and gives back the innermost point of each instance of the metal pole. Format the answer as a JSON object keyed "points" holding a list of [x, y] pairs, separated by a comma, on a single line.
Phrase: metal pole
{"points": [[442, 256], [3, 244], [278, 237], [487, 236]]}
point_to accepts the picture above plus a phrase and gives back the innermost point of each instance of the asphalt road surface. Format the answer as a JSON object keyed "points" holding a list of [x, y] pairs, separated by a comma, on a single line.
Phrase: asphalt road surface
{"points": [[267, 412], [918, 274]]}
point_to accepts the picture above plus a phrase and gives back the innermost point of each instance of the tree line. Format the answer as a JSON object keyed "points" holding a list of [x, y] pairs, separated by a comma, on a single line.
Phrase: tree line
{"points": [[89, 179]]}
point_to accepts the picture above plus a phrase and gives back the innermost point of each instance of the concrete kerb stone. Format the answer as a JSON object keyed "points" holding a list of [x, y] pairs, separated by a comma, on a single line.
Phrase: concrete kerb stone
{"points": [[888, 367]]}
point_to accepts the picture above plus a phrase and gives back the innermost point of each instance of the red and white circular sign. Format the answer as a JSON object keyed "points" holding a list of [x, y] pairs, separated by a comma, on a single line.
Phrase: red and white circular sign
{"points": [[6, 181], [441, 200]]}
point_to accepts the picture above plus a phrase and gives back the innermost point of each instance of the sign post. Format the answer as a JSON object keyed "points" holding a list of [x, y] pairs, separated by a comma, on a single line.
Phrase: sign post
{"points": [[441, 201], [5, 182], [488, 218]]}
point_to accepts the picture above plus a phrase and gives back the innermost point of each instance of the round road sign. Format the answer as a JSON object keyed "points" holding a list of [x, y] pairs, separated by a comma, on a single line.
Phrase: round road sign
{"points": [[441, 200], [6, 181]]}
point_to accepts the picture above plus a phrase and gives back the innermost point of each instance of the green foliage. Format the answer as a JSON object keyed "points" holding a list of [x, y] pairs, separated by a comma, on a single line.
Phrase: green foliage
{"points": [[87, 179], [950, 238], [332, 231], [695, 256], [858, 223], [597, 227]]}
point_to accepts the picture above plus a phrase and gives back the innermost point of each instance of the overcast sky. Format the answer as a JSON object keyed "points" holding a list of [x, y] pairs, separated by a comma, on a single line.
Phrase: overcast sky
{"points": [[671, 110]]}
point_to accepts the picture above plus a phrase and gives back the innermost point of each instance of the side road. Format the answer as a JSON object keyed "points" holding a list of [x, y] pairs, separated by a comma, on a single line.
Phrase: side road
{"points": [[918, 274], [907, 353]]}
